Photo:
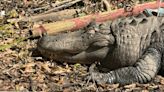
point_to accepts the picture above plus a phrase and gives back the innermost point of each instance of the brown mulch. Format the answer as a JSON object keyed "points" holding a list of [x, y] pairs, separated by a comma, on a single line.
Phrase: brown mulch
{"points": [[21, 69]]}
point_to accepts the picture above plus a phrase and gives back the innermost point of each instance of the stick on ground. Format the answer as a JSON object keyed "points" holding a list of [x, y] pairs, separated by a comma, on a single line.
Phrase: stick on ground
{"points": [[55, 16], [63, 6]]}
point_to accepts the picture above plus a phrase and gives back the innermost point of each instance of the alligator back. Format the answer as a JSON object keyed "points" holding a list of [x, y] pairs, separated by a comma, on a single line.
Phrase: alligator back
{"points": [[133, 35]]}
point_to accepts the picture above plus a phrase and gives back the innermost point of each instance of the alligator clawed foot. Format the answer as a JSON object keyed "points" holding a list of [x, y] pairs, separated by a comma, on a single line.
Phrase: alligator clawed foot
{"points": [[100, 78]]}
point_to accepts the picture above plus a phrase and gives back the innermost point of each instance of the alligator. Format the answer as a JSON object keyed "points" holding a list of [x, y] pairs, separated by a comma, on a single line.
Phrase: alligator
{"points": [[128, 49]]}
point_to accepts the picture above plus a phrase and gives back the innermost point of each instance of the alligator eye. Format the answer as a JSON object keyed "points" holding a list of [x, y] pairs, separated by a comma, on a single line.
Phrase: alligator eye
{"points": [[105, 31]]}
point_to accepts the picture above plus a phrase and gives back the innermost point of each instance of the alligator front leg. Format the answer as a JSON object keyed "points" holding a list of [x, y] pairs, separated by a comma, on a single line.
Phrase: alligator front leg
{"points": [[143, 71]]}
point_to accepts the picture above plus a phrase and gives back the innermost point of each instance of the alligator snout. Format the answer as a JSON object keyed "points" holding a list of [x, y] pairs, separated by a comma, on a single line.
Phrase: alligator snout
{"points": [[66, 43]]}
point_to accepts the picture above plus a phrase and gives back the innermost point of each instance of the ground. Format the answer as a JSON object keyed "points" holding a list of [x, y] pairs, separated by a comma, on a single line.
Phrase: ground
{"points": [[23, 69]]}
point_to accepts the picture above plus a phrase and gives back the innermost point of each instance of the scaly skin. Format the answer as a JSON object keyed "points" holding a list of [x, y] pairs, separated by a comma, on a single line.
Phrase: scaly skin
{"points": [[77, 47], [130, 49]]}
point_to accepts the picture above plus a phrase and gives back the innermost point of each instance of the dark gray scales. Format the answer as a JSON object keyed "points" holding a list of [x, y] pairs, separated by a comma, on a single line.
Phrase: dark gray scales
{"points": [[131, 48]]}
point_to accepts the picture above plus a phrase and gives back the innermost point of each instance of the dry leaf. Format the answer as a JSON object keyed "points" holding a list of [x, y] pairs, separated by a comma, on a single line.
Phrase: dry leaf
{"points": [[144, 91], [130, 86], [60, 70], [162, 81], [29, 67], [46, 67], [67, 90]]}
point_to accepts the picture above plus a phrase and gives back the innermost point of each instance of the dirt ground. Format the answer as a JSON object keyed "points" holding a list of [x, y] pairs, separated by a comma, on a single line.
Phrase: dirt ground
{"points": [[23, 69]]}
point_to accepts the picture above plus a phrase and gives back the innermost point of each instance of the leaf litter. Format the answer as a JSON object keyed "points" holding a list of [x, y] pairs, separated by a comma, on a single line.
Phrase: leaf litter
{"points": [[20, 71]]}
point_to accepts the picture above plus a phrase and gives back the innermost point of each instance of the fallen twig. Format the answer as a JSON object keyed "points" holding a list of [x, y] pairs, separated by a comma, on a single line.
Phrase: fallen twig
{"points": [[77, 23], [107, 5], [63, 6], [53, 5], [61, 3], [55, 16], [70, 84]]}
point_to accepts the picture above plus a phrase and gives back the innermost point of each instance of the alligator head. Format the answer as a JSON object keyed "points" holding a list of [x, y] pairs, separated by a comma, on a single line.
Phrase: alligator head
{"points": [[82, 46]]}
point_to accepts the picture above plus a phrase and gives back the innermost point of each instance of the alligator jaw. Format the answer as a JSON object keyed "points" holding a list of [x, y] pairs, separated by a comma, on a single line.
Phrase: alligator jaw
{"points": [[76, 47]]}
